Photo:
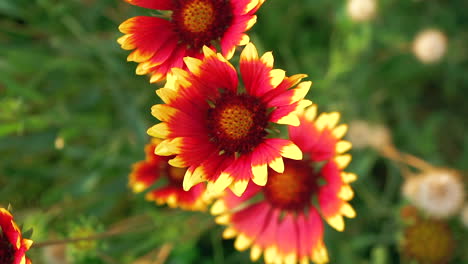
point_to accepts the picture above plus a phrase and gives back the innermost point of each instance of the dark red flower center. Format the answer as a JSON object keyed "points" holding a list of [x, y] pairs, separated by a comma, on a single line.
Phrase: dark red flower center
{"points": [[237, 123], [199, 22], [6, 250], [293, 189]]}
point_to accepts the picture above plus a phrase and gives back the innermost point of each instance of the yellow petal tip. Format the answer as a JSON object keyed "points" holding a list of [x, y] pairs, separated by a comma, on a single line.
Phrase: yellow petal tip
{"points": [[291, 151]]}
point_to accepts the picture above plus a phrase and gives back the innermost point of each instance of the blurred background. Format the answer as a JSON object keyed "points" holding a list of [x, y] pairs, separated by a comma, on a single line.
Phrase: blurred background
{"points": [[73, 119]]}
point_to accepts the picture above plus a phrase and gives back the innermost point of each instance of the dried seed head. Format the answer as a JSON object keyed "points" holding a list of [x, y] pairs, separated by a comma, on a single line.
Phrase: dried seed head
{"points": [[361, 10], [430, 45], [439, 192]]}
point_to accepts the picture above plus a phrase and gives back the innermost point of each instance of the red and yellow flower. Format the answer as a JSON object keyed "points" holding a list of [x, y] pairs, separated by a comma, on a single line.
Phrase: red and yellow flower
{"points": [[221, 130], [160, 44], [13, 246], [280, 220], [167, 182]]}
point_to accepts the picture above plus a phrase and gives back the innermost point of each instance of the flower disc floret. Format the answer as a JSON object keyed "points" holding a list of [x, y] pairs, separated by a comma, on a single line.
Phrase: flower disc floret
{"points": [[237, 123], [220, 130], [201, 22], [197, 16], [161, 43], [281, 220]]}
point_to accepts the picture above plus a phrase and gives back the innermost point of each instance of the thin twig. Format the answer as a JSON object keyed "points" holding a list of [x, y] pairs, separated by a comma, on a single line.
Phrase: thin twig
{"points": [[164, 253], [75, 240], [394, 154], [133, 225], [416, 162], [106, 258], [391, 153]]}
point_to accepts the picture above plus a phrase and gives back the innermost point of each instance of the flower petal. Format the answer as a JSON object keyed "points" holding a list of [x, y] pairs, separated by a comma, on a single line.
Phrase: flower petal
{"points": [[258, 76], [234, 35], [144, 174], [287, 239], [216, 73], [321, 145], [250, 221], [333, 195], [147, 35]]}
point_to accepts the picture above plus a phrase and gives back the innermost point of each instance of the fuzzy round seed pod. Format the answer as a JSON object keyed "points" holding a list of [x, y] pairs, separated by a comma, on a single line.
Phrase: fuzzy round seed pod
{"points": [[361, 10], [439, 193], [430, 45], [410, 187]]}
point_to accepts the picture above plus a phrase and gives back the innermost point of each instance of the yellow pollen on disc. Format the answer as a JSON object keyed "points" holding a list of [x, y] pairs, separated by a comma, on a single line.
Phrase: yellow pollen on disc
{"points": [[198, 16], [236, 121]]}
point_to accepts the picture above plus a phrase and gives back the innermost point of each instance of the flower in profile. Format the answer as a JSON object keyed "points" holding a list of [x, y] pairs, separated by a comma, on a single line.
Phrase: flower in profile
{"points": [[155, 171], [428, 241], [222, 131], [160, 44], [281, 220], [13, 246]]}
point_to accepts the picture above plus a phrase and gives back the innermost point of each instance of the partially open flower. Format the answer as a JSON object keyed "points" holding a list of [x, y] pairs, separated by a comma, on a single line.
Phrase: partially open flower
{"points": [[155, 172], [160, 44], [13, 246], [281, 220], [221, 128], [428, 241]]}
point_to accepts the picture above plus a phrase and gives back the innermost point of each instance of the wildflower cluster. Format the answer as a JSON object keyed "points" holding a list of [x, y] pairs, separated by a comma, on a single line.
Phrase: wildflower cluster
{"points": [[219, 136], [235, 141]]}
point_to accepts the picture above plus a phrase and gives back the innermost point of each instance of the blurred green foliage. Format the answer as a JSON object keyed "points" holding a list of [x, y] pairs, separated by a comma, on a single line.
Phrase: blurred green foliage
{"points": [[73, 117]]}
